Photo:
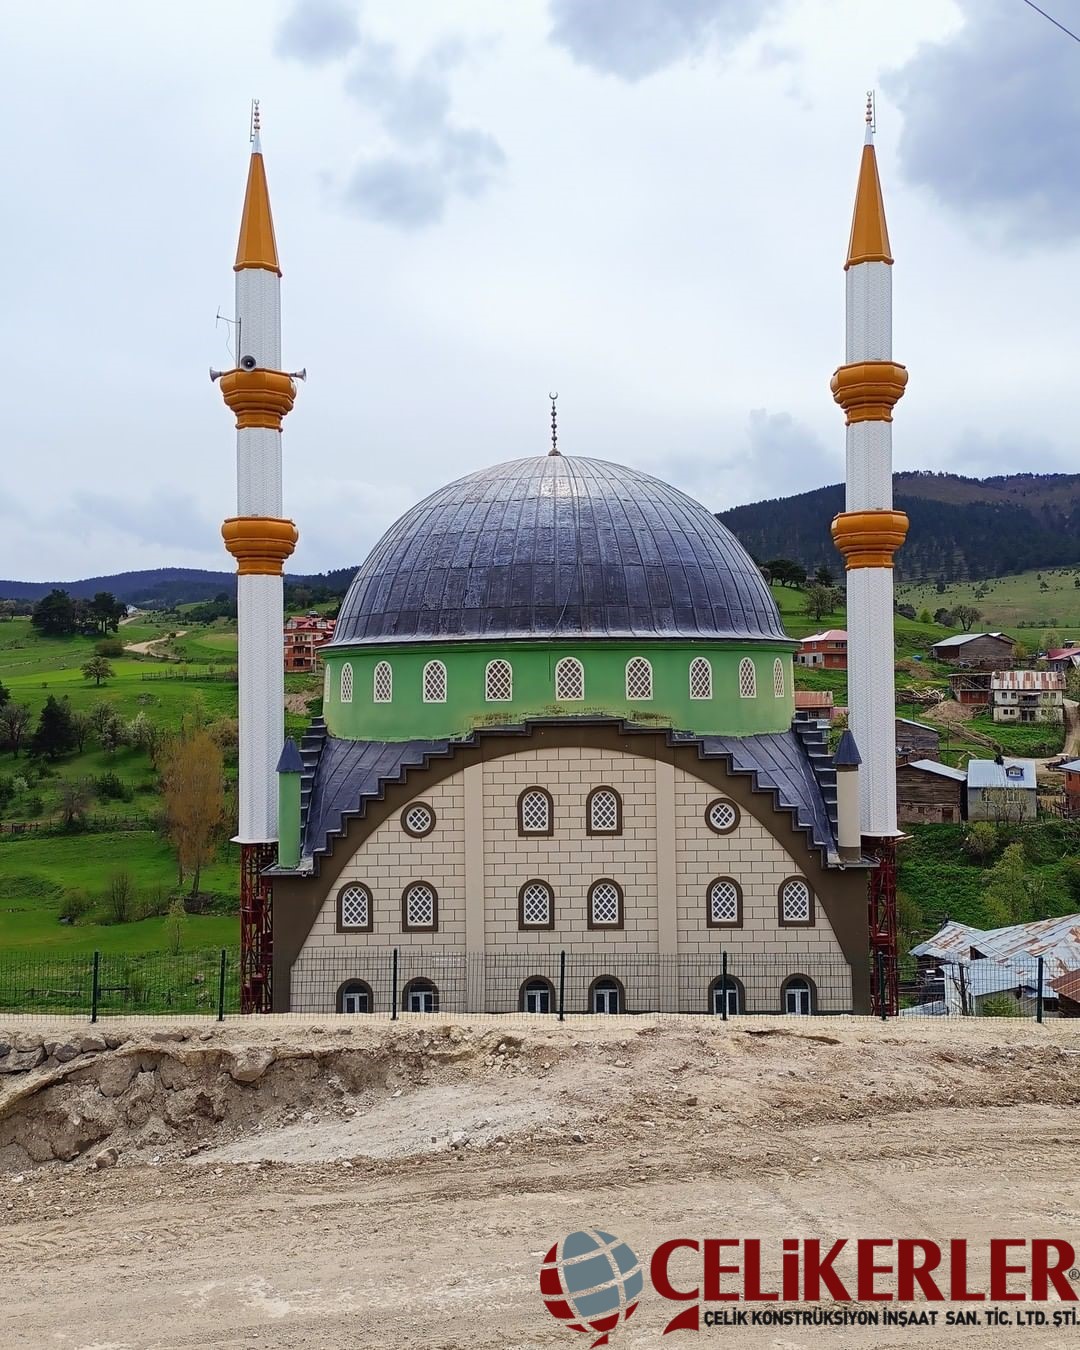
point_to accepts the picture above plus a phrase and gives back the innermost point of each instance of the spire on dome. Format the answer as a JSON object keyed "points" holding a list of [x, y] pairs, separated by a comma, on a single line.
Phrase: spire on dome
{"points": [[869, 240], [257, 246]]}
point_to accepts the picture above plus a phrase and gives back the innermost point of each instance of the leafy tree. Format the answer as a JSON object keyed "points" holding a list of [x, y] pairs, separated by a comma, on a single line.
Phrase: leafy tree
{"points": [[75, 799], [106, 612], [113, 735], [1051, 640], [81, 727], [192, 778], [981, 840], [906, 611], [786, 571], [925, 616], [54, 735], [1012, 892], [14, 721], [5, 694], [8, 608], [145, 735], [966, 616], [97, 669], [101, 714], [120, 898], [822, 600], [175, 926], [939, 586], [54, 614], [944, 617], [824, 577], [110, 647]]}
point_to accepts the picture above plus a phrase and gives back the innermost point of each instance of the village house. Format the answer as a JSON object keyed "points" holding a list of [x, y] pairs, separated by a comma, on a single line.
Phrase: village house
{"points": [[1071, 770], [916, 740], [964, 966], [983, 651], [927, 791], [1001, 791], [825, 651], [304, 635], [971, 687], [1027, 696], [1063, 659], [817, 703]]}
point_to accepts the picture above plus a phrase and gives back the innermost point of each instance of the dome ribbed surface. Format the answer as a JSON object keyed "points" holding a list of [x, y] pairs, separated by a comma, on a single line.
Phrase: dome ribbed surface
{"points": [[557, 547]]}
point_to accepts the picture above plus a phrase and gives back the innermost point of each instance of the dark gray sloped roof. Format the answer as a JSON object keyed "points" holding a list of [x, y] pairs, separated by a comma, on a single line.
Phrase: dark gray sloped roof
{"points": [[553, 546], [351, 774]]}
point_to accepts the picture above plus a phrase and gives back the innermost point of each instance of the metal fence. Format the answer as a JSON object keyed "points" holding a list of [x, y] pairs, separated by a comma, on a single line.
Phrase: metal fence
{"points": [[103, 984], [401, 981]]}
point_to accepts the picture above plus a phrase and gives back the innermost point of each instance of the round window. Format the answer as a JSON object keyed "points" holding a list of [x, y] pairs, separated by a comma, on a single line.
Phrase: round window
{"points": [[418, 820], [721, 815]]}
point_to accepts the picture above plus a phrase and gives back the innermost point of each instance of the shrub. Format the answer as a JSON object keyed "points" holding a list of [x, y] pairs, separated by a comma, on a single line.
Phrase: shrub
{"points": [[33, 806], [1000, 1005], [73, 906], [19, 784], [119, 898], [981, 840], [109, 647], [175, 926], [111, 787], [7, 791]]}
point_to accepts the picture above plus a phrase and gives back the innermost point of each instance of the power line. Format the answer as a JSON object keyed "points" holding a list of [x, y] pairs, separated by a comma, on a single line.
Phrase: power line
{"points": [[1031, 5]]}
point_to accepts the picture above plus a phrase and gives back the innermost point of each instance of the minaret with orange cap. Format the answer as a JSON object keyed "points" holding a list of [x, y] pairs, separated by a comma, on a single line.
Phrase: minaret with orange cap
{"points": [[260, 394], [868, 533]]}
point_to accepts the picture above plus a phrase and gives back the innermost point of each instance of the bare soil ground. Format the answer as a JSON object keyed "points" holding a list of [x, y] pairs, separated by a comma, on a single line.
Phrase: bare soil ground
{"points": [[352, 1182]]}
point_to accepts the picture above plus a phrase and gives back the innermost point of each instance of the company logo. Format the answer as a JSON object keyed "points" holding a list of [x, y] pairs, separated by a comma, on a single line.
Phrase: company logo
{"points": [[592, 1282]]}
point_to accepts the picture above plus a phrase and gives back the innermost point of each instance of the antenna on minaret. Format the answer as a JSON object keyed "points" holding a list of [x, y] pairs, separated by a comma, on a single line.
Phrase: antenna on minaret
{"points": [[256, 147], [554, 427]]}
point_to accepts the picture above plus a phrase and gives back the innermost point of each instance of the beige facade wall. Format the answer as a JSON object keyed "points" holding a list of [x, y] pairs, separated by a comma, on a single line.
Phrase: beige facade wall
{"points": [[664, 860]]}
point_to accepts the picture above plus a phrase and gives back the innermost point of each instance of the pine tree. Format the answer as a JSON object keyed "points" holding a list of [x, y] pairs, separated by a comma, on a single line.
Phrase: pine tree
{"points": [[55, 734]]}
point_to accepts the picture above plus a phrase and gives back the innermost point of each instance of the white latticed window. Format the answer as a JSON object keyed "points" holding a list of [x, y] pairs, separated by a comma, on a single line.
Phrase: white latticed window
{"points": [[722, 815], [498, 682], [604, 811], [536, 902], [420, 906], [795, 901], [570, 678], [434, 682], [355, 907], [778, 678], [723, 901], [326, 686], [535, 812], [382, 690], [604, 903], [638, 678], [418, 820], [747, 678], [346, 682], [700, 678]]}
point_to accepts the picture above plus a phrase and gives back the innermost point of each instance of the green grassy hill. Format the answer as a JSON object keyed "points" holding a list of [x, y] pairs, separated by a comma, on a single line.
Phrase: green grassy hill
{"points": [[1025, 605]]}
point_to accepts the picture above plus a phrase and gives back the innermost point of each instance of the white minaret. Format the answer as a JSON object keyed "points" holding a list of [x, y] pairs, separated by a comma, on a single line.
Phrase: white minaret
{"points": [[260, 394], [869, 531]]}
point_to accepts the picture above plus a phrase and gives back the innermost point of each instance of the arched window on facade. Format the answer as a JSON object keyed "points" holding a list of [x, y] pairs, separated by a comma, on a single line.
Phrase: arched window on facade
{"points": [[700, 678], [798, 997], [729, 990], [434, 682], [419, 908], [498, 682], [354, 909], [420, 996], [605, 904], [724, 903], [346, 682], [747, 678], [638, 679], [536, 905], [355, 996], [382, 683], [796, 903], [606, 995], [537, 995], [570, 679], [603, 811], [778, 678], [536, 813]]}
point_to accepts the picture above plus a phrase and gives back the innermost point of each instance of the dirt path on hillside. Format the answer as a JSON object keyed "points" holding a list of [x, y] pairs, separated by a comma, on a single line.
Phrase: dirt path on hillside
{"points": [[394, 1185], [147, 648]]}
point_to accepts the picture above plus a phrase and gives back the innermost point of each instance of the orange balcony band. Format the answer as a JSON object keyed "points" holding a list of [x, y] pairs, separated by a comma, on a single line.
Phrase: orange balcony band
{"points": [[260, 544], [869, 538], [868, 390], [259, 398]]}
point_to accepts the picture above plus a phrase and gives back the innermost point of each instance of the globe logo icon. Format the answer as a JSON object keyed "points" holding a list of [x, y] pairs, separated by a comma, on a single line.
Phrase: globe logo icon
{"points": [[592, 1282]]}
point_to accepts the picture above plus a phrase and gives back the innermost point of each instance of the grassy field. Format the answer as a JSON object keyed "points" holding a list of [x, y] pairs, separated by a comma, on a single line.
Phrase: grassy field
{"points": [[1030, 602]]}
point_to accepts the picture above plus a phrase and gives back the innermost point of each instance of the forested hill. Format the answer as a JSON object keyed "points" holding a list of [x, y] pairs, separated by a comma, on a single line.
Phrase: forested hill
{"points": [[161, 587], [960, 528]]}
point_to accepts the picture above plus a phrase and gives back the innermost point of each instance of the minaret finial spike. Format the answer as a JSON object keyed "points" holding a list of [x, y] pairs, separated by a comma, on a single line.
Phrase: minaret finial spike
{"points": [[554, 427], [256, 148], [871, 117]]}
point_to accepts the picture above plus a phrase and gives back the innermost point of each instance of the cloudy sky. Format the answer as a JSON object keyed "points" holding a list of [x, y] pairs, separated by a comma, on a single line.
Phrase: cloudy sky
{"points": [[642, 204]]}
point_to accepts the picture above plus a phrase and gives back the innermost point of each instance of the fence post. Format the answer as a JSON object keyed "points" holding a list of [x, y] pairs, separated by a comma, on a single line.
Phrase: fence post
{"points": [[562, 986], [883, 1003], [95, 989], [1039, 994], [394, 991], [221, 989], [723, 984]]}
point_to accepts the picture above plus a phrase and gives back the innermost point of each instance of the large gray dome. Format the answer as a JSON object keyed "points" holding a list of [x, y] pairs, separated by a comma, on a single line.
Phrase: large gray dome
{"points": [[557, 547]]}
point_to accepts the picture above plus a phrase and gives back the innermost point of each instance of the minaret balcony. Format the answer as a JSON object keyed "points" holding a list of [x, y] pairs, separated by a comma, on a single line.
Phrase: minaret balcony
{"points": [[259, 398]]}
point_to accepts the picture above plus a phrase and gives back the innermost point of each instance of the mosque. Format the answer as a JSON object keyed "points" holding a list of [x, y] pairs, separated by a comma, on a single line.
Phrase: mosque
{"points": [[558, 759]]}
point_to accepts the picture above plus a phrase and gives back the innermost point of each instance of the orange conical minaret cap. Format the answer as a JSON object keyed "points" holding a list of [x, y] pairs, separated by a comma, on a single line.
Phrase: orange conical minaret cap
{"points": [[257, 246], [869, 233]]}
